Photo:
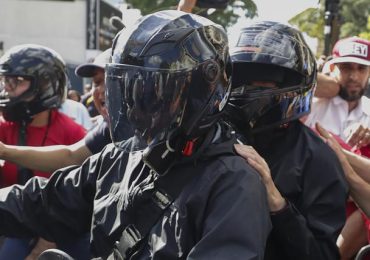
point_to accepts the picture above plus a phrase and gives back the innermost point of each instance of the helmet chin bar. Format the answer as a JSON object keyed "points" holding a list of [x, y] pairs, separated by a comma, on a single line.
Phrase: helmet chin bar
{"points": [[19, 112], [23, 111], [24, 107], [272, 108]]}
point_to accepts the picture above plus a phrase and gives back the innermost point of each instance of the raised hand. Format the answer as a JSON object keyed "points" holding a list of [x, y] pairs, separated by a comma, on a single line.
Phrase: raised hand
{"points": [[357, 135]]}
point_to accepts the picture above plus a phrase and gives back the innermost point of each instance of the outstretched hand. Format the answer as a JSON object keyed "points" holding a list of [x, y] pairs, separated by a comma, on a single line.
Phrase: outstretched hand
{"points": [[275, 200], [331, 141], [358, 135]]}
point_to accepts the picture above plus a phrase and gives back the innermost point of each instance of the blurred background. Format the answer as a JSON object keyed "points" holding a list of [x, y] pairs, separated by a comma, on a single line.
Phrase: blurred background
{"points": [[80, 29]]}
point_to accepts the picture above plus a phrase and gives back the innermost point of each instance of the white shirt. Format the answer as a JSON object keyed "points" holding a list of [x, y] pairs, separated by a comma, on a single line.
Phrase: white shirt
{"points": [[78, 112], [333, 115]]}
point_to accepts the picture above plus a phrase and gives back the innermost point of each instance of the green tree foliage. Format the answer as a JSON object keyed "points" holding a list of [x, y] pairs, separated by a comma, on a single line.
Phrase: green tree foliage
{"points": [[355, 15], [310, 21], [150, 6], [354, 20], [366, 35], [225, 17]]}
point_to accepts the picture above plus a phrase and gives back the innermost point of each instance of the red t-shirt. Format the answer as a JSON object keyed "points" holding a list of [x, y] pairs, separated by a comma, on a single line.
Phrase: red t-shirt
{"points": [[61, 131], [365, 151]]}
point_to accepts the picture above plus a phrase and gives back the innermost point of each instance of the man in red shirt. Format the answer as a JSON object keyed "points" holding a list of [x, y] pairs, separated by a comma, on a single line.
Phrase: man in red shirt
{"points": [[55, 128], [33, 82]]}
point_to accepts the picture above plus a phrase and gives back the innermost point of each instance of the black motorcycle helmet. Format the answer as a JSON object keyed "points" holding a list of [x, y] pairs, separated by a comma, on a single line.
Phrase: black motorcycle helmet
{"points": [[171, 70], [46, 71], [270, 52]]}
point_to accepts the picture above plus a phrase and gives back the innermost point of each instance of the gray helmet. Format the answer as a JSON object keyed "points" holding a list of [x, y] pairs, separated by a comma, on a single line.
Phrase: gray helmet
{"points": [[45, 69]]}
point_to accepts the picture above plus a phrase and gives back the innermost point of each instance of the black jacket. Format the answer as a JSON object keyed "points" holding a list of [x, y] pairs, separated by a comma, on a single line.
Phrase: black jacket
{"points": [[221, 214], [308, 174]]}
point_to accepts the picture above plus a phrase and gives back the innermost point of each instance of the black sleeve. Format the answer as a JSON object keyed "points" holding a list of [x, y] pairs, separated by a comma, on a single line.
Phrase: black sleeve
{"points": [[312, 231], [57, 209], [237, 220], [98, 137]]}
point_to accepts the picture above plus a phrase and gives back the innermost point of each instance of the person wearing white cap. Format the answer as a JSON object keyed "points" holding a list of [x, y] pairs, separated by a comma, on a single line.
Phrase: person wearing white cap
{"points": [[341, 107], [345, 111], [95, 100]]}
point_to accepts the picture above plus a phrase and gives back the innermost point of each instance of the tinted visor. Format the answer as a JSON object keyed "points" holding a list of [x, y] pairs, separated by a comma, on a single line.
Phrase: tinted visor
{"points": [[263, 108], [151, 100]]}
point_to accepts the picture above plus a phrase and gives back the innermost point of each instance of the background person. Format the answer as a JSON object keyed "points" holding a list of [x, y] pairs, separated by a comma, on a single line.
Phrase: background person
{"points": [[33, 80], [52, 158], [95, 71], [74, 95], [343, 109], [77, 112], [65, 155], [346, 114], [273, 81]]}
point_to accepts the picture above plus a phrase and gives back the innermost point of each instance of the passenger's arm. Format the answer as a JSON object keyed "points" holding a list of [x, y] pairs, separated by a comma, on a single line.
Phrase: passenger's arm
{"points": [[359, 189], [46, 158], [327, 86], [314, 232], [275, 199], [56, 209]]}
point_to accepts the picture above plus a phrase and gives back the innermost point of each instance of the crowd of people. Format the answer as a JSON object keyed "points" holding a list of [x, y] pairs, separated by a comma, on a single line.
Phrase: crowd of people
{"points": [[195, 146]]}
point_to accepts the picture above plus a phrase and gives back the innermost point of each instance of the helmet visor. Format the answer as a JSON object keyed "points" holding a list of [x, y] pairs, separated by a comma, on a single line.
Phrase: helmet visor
{"points": [[13, 88], [151, 100], [263, 108]]}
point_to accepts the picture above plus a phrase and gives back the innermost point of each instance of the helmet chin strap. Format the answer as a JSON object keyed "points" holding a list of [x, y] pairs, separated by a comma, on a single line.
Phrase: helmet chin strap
{"points": [[161, 156], [175, 141]]}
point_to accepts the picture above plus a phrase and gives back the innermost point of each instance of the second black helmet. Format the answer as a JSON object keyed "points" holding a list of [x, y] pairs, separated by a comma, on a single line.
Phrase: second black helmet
{"points": [[274, 53]]}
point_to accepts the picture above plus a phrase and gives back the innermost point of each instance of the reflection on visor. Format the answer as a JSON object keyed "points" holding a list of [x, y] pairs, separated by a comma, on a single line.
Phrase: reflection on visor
{"points": [[267, 41], [151, 100], [255, 90], [272, 107]]}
